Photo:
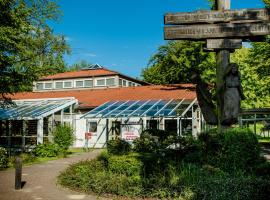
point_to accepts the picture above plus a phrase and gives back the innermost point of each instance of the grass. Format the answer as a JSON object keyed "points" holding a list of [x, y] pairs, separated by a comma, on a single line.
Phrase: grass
{"points": [[30, 160]]}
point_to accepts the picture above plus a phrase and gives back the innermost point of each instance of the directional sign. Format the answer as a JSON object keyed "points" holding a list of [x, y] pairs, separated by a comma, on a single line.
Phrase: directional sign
{"points": [[211, 31], [239, 16], [223, 43]]}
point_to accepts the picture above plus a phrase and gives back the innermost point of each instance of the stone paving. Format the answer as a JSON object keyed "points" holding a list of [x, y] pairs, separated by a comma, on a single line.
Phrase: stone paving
{"points": [[40, 181]]}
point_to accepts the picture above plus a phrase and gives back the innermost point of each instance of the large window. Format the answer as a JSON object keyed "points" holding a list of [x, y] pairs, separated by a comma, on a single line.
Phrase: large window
{"points": [[88, 83], [101, 82], [124, 83], [59, 85], [67, 84], [39, 86], [152, 124], [48, 86], [110, 81]]}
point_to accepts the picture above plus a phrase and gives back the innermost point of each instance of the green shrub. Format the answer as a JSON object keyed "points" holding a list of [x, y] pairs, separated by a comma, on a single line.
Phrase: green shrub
{"points": [[63, 136], [46, 150], [92, 176], [118, 147], [235, 149], [3, 158], [129, 165]]}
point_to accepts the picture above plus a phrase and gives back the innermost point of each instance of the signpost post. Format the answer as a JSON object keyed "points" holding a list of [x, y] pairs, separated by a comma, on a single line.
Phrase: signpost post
{"points": [[223, 30]]}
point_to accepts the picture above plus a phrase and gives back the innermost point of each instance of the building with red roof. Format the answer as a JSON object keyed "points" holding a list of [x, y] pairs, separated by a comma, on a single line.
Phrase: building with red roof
{"points": [[99, 104]]}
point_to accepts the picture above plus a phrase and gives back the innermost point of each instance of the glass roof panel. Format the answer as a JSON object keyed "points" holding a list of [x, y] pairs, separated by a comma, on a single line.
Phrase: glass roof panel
{"points": [[33, 109], [148, 108]]}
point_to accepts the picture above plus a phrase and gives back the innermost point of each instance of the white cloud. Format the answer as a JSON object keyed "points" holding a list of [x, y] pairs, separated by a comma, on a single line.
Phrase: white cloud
{"points": [[89, 54]]}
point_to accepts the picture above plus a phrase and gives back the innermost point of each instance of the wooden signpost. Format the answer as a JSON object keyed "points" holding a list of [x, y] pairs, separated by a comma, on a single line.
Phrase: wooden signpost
{"points": [[210, 17], [223, 30]]}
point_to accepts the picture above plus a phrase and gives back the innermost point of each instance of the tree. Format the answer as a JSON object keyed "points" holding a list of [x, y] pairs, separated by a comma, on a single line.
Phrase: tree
{"points": [[28, 47], [175, 61]]}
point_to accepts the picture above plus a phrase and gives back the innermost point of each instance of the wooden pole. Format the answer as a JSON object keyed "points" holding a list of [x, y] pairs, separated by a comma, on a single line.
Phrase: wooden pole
{"points": [[223, 59], [18, 173]]}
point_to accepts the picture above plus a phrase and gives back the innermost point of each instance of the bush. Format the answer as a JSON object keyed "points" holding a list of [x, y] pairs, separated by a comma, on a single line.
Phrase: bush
{"points": [[3, 158], [63, 137], [232, 150], [92, 176], [46, 150], [118, 147], [129, 165]]}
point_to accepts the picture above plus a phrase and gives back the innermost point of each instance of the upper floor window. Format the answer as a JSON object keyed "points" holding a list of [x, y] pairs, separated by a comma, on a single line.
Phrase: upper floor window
{"points": [[59, 85], [67, 84], [120, 82], [88, 83], [110, 81], [124, 83], [79, 83], [39, 86], [100, 82], [48, 86]]}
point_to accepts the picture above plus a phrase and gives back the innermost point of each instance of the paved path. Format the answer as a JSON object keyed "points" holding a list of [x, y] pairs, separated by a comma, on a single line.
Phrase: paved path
{"points": [[41, 181]]}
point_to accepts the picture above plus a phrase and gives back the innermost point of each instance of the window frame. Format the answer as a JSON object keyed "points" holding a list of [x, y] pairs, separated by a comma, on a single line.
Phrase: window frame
{"points": [[88, 86], [89, 125], [109, 79], [41, 84], [79, 81], [56, 84], [96, 82], [47, 88], [67, 82]]}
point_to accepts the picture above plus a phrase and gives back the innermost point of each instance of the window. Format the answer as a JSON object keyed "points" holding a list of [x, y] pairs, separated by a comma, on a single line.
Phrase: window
{"points": [[129, 84], [101, 82], [67, 84], [124, 83], [59, 85], [48, 86], [120, 82], [93, 127], [39, 86], [88, 83], [133, 84], [79, 83], [152, 124], [110, 82]]}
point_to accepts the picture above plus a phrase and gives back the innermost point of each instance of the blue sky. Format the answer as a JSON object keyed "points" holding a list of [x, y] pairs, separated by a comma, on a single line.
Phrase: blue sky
{"points": [[122, 34]]}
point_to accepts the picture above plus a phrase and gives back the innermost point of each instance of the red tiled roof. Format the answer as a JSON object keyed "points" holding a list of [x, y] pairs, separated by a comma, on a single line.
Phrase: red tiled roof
{"points": [[81, 74], [96, 97]]}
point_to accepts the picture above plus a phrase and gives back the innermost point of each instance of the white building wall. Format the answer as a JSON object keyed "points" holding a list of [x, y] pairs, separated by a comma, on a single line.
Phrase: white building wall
{"points": [[80, 129]]}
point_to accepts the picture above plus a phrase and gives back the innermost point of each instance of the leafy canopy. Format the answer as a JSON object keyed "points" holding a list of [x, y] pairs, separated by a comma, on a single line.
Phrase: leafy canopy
{"points": [[174, 62], [28, 47]]}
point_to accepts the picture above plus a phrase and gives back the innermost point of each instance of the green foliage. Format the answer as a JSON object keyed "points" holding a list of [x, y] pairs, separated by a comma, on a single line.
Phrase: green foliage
{"points": [[63, 137], [118, 147], [28, 47], [129, 165], [79, 65], [174, 62], [232, 150], [94, 176], [153, 140], [3, 158], [215, 167], [46, 150], [267, 3]]}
